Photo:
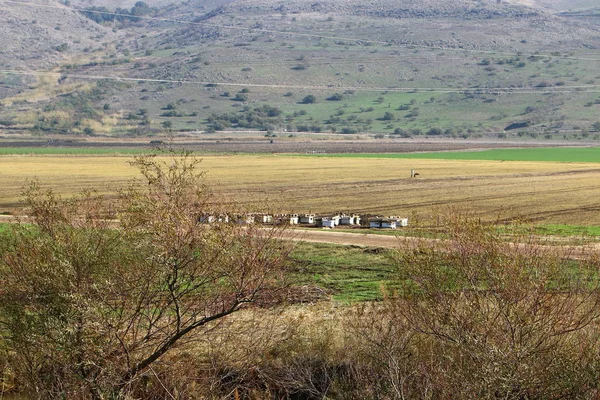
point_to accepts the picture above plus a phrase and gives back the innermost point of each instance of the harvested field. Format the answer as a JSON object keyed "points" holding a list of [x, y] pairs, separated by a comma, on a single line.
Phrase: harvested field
{"points": [[63, 174], [548, 192]]}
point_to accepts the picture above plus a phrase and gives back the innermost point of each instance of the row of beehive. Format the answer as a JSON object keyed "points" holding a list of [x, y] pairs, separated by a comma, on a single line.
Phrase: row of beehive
{"points": [[330, 221]]}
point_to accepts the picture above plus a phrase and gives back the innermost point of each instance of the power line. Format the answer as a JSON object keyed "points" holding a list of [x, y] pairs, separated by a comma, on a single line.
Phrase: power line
{"points": [[468, 90], [300, 34]]}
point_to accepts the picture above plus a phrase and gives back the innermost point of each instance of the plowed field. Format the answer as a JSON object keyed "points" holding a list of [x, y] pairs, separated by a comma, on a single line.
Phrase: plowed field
{"points": [[555, 192]]}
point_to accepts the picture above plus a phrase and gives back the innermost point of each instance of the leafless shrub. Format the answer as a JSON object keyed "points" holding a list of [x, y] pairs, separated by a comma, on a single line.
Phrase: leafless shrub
{"points": [[478, 317], [89, 306]]}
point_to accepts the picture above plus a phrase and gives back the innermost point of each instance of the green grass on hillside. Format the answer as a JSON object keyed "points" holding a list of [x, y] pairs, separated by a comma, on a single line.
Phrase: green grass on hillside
{"points": [[580, 154]]}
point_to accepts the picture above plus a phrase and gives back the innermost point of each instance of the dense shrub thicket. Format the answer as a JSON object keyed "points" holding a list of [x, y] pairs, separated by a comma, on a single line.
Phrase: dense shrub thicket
{"points": [[122, 15], [263, 118], [474, 317]]}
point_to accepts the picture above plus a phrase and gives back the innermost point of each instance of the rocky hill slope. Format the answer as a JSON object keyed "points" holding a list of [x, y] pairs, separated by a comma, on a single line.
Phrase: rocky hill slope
{"points": [[45, 33], [389, 67]]}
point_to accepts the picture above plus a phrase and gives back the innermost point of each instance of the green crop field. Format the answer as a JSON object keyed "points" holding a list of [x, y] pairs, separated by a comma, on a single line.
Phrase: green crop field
{"points": [[567, 230], [563, 154]]}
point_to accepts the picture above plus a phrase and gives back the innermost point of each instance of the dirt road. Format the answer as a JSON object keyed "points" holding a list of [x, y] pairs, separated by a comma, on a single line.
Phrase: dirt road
{"points": [[391, 242], [353, 239]]}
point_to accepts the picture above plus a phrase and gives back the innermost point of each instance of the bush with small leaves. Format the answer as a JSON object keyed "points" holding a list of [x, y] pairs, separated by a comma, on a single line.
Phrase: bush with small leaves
{"points": [[309, 99]]}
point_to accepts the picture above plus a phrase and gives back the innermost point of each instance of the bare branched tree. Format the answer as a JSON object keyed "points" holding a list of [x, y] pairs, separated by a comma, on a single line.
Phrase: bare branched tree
{"points": [[89, 303], [480, 317]]}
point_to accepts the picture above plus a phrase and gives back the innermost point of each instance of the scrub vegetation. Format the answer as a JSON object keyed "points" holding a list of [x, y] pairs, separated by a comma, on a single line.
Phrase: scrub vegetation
{"points": [[473, 316], [95, 293]]}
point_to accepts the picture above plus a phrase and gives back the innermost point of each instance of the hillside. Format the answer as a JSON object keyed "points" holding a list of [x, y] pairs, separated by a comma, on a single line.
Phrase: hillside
{"points": [[560, 5], [46, 34], [458, 68], [43, 36], [114, 4]]}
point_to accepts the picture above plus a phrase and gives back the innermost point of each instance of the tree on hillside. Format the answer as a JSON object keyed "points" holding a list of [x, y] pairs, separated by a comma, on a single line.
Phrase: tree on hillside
{"points": [[242, 96], [435, 132], [388, 116], [96, 292], [309, 99], [336, 97]]}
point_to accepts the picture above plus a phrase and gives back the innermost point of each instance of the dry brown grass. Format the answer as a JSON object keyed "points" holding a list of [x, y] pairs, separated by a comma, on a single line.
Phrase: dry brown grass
{"points": [[545, 192], [65, 174]]}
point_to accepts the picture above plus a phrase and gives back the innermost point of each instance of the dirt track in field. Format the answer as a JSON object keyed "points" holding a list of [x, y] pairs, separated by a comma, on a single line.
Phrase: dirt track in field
{"points": [[313, 235], [391, 242], [353, 239]]}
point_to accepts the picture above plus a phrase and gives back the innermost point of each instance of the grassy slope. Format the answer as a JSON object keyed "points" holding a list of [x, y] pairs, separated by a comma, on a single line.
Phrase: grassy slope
{"points": [[381, 66], [256, 52], [566, 5]]}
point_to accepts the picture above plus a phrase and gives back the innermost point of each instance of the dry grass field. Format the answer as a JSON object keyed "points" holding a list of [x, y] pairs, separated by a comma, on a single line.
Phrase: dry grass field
{"points": [[545, 192]]}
